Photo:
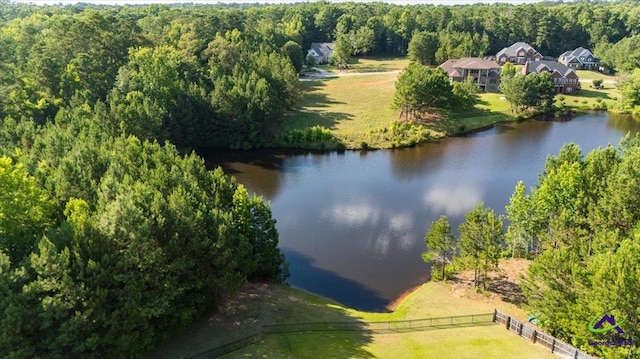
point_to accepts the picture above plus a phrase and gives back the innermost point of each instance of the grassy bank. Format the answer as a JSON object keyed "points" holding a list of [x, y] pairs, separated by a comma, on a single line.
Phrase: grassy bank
{"points": [[357, 110], [260, 304]]}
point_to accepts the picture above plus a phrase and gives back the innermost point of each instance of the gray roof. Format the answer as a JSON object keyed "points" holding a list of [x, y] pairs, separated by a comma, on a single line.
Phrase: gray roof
{"points": [[323, 48], [577, 54], [512, 50], [451, 66], [537, 66]]}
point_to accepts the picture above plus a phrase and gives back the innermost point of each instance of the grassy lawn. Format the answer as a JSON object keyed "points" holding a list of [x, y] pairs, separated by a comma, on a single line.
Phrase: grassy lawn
{"points": [[370, 64], [260, 304], [589, 98], [491, 109], [359, 108], [378, 64], [594, 75], [349, 106]]}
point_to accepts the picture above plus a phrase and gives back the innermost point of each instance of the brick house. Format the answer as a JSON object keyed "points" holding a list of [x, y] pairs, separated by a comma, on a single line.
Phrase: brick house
{"points": [[565, 79], [580, 58], [518, 53], [485, 73]]}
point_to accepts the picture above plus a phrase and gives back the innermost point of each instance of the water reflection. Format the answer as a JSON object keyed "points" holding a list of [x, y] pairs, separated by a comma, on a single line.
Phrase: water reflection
{"points": [[452, 199], [413, 162], [317, 280], [358, 219], [624, 123], [352, 214]]}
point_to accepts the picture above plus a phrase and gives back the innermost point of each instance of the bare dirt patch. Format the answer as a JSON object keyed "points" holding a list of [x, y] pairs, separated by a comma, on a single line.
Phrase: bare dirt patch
{"points": [[504, 284]]}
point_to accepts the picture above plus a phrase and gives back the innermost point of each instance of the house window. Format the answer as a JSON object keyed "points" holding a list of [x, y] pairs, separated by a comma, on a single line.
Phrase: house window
{"points": [[568, 89], [492, 81]]}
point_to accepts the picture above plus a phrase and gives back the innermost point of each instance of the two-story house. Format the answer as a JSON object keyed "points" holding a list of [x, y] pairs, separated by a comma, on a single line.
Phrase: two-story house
{"points": [[518, 53], [321, 51], [580, 58], [485, 73], [565, 79]]}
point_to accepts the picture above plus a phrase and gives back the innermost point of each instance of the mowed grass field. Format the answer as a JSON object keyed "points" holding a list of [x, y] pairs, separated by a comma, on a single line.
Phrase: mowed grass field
{"points": [[361, 100], [349, 106], [260, 304]]}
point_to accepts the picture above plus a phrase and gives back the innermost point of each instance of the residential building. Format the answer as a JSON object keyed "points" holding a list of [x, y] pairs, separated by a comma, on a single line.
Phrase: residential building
{"points": [[321, 51], [486, 74], [580, 59], [565, 79], [518, 53]]}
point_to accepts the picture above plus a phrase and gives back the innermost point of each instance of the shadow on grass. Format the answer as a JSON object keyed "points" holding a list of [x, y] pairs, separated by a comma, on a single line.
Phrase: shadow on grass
{"points": [[593, 94], [243, 326], [314, 108]]}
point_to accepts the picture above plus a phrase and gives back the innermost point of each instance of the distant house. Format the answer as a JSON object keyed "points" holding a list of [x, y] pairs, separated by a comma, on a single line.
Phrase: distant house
{"points": [[485, 73], [580, 58], [321, 51], [565, 79], [518, 53]]}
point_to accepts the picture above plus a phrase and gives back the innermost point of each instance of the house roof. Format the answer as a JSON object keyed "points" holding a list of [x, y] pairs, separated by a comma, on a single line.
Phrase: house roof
{"points": [[513, 49], [552, 66], [323, 48], [577, 54], [452, 66]]}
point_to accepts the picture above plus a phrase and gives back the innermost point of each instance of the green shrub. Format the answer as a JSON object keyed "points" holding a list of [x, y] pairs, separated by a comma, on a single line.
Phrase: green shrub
{"points": [[316, 137]]}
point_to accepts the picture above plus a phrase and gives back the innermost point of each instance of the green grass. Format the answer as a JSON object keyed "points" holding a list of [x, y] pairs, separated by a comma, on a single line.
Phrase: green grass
{"points": [[359, 109], [491, 109], [594, 75], [378, 64], [349, 106], [262, 304], [590, 98]]}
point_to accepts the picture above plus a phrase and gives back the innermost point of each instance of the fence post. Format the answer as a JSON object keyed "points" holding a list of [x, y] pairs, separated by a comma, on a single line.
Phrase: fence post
{"points": [[508, 325], [575, 356], [553, 345], [495, 314], [534, 336]]}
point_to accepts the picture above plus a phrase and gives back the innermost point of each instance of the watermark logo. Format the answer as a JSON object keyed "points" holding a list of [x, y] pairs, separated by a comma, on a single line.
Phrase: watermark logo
{"points": [[609, 322], [598, 326]]}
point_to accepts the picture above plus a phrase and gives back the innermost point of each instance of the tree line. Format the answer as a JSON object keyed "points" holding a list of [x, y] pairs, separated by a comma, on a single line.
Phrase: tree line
{"points": [[581, 225], [224, 76], [109, 243]]}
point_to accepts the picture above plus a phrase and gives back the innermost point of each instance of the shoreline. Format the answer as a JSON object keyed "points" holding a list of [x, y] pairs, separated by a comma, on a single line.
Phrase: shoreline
{"points": [[394, 304]]}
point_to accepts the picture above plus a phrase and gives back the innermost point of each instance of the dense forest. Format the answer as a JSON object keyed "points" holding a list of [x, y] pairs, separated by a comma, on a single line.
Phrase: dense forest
{"points": [[111, 238], [582, 222], [224, 76]]}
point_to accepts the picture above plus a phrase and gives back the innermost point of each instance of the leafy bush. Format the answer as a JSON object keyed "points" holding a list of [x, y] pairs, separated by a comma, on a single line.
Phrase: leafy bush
{"points": [[316, 137]]}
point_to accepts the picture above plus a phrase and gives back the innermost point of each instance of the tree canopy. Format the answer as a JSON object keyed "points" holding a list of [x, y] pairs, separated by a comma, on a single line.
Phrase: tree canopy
{"points": [[420, 89], [582, 218]]}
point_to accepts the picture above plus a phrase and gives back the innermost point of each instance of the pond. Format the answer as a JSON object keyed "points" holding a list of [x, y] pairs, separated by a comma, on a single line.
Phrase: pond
{"points": [[352, 224]]}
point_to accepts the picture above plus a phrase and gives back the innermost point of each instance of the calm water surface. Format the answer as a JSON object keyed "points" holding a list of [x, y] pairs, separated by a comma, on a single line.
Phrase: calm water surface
{"points": [[352, 224]]}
